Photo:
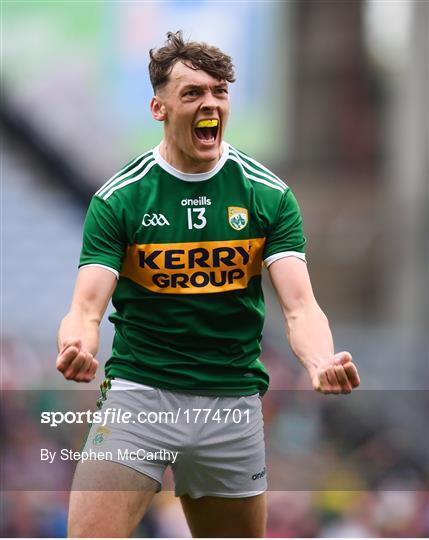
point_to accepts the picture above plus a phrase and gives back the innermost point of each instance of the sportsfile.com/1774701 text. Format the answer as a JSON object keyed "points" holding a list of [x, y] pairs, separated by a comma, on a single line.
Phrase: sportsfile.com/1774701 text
{"points": [[112, 415]]}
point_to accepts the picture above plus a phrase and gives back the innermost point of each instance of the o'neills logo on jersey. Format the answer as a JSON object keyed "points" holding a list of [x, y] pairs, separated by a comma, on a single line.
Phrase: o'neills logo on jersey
{"points": [[199, 201], [194, 267]]}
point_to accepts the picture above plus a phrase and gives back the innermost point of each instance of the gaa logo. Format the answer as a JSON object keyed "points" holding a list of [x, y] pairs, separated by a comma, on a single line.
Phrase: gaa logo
{"points": [[154, 219]]}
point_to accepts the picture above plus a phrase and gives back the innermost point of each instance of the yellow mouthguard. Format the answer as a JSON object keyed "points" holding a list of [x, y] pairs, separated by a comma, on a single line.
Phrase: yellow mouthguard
{"points": [[207, 123]]}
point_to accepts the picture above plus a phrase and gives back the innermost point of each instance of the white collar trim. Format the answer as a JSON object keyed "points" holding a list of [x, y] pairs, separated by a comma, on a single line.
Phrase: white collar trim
{"points": [[194, 177]]}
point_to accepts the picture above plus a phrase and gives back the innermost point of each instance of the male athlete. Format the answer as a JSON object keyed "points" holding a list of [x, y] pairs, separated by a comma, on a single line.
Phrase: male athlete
{"points": [[178, 237]]}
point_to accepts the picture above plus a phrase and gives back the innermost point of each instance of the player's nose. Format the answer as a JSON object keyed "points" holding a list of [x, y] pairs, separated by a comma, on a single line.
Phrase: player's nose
{"points": [[209, 102]]}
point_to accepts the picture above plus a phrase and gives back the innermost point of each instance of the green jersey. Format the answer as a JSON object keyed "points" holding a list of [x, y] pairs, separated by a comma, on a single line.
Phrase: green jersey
{"points": [[188, 251]]}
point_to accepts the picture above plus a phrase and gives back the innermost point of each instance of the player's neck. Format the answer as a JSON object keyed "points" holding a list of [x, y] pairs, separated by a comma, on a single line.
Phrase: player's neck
{"points": [[184, 163]]}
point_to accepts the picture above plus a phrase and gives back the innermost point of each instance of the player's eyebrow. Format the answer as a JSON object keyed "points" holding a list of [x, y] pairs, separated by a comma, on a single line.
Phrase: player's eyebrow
{"points": [[192, 87], [201, 86]]}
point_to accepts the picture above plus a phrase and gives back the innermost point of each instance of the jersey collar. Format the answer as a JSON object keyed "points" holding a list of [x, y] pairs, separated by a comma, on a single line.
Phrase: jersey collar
{"points": [[195, 177]]}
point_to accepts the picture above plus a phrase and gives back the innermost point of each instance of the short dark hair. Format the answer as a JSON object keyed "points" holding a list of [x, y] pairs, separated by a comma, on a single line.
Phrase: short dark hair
{"points": [[196, 55]]}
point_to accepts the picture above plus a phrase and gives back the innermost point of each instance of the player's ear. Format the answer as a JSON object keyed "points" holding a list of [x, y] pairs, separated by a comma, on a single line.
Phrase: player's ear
{"points": [[157, 109]]}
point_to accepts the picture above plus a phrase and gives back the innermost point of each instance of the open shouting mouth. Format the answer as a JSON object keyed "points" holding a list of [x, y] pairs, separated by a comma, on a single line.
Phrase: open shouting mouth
{"points": [[206, 130]]}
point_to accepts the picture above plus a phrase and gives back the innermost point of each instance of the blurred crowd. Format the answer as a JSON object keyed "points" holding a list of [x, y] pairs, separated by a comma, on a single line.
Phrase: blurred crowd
{"points": [[329, 514]]}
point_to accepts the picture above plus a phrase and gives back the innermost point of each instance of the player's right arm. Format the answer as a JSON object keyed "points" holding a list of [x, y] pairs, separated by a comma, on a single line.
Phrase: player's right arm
{"points": [[78, 336]]}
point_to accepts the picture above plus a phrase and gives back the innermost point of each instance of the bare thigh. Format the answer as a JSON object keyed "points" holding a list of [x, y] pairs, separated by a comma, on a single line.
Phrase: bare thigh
{"points": [[226, 517], [108, 500]]}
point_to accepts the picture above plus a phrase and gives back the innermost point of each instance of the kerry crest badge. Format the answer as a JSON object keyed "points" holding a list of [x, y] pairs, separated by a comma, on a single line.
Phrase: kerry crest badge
{"points": [[237, 217]]}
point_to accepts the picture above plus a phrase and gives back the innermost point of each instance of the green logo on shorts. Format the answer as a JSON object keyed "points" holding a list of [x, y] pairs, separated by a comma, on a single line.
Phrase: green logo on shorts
{"points": [[100, 436], [104, 387]]}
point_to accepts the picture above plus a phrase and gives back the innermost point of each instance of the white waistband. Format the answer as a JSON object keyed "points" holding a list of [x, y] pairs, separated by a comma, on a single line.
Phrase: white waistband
{"points": [[124, 384]]}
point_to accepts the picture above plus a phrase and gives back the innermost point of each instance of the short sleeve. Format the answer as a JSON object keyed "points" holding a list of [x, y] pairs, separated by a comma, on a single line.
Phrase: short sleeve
{"points": [[286, 236], [103, 243]]}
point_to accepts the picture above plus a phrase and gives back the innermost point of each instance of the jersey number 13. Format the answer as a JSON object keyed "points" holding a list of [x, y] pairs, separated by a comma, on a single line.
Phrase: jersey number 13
{"points": [[196, 221]]}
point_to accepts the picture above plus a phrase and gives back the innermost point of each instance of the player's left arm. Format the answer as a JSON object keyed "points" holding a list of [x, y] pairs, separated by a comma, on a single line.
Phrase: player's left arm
{"points": [[308, 331]]}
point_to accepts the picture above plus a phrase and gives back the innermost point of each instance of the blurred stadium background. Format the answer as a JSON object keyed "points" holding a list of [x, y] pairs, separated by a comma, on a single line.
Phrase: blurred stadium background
{"points": [[333, 96]]}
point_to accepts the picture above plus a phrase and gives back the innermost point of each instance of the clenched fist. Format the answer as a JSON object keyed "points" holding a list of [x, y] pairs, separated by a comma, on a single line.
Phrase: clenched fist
{"points": [[75, 363], [338, 377]]}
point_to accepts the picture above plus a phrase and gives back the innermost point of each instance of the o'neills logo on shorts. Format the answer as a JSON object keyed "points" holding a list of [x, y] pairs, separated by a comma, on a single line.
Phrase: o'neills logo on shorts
{"points": [[194, 267]]}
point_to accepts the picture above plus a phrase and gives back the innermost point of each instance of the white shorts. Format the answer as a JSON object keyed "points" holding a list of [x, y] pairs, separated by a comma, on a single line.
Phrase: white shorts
{"points": [[214, 445]]}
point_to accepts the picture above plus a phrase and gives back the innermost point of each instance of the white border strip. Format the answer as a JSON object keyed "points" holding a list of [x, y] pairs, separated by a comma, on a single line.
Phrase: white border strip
{"points": [[260, 165], [102, 192], [255, 178], [102, 266], [119, 174], [269, 260], [131, 181], [273, 178], [198, 494], [118, 383]]}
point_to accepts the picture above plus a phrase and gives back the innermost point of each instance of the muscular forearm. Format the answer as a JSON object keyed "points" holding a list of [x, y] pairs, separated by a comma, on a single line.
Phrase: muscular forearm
{"points": [[79, 324], [78, 335], [308, 330], [310, 337], [311, 340]]}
